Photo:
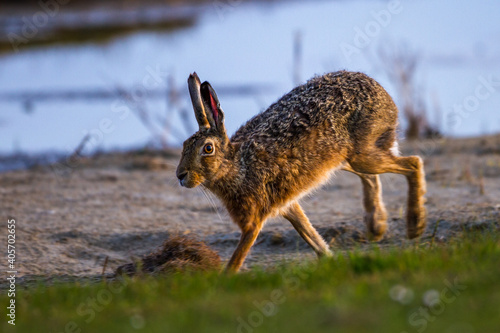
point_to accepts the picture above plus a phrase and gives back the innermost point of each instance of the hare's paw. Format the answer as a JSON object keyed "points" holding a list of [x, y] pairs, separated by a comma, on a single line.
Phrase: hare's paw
{"points": [[416, 221], [376, 223]]}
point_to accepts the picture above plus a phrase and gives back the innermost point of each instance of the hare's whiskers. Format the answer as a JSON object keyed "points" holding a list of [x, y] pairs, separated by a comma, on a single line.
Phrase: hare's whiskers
{"points": [[207, 195]]}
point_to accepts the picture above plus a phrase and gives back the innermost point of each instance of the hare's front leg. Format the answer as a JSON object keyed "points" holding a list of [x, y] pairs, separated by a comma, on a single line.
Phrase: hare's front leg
{"points": [[301, 223], [249, 233]]}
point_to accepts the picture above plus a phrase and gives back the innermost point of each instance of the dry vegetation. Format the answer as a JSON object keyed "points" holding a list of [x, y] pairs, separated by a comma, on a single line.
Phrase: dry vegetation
{"points": [[401, 64], [178, 253]]}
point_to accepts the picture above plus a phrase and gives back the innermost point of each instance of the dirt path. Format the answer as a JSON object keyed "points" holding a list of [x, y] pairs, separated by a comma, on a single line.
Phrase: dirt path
{"points": [[123, 206]]}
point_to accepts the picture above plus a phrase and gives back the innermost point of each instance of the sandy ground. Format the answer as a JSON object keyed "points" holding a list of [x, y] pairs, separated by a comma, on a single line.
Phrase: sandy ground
{"points": [[122, 206]]}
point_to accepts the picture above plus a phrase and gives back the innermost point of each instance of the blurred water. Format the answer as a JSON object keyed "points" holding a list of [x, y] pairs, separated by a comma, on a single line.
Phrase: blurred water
{"points": [[253, 43]]}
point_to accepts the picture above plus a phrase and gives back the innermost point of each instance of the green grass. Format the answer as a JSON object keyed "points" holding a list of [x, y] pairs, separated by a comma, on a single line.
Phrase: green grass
{"points": [[380, 290]]}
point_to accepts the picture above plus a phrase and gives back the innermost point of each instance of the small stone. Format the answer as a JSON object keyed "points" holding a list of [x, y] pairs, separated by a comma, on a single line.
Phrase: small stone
{"points": [[277, 238]]}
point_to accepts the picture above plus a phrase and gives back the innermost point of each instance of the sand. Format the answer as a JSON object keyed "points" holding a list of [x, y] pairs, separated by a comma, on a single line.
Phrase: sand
{"points": [[122, 206]]}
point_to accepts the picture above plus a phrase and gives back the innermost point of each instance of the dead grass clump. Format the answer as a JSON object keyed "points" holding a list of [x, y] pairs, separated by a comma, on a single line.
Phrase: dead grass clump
{"points": [[178, 253]]}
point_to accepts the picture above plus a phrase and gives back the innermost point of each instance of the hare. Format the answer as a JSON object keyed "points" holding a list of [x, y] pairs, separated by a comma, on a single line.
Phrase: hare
{"points": [[342, 120]]}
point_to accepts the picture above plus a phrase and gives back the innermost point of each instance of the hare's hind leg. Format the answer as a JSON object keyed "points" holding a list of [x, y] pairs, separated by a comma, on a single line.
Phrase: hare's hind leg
{"points": [[375, 214], [374, 160], [413, 168], [300, 222]]}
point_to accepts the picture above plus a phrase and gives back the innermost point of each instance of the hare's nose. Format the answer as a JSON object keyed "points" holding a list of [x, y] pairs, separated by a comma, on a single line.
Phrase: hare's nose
{"points": [[181, 176]]}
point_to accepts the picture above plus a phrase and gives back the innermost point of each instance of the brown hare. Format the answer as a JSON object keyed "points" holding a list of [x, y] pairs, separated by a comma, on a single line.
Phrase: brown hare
{"points": [[342, 120]]}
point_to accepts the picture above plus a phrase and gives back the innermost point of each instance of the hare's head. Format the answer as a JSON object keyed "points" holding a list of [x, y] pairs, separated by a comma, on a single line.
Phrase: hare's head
{"points": [[205, 152]]}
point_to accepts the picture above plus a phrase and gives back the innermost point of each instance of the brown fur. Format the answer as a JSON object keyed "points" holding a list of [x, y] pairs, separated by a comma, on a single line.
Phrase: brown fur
{"points": [[339, 120]]}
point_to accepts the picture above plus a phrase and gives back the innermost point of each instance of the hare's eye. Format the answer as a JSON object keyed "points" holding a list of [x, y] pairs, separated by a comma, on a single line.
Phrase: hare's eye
{"points": [[208, 149]]}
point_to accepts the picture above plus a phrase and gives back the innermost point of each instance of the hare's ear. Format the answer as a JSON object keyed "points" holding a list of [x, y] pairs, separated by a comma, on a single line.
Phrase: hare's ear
{"points": [[214, 113], [199, 110]]}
